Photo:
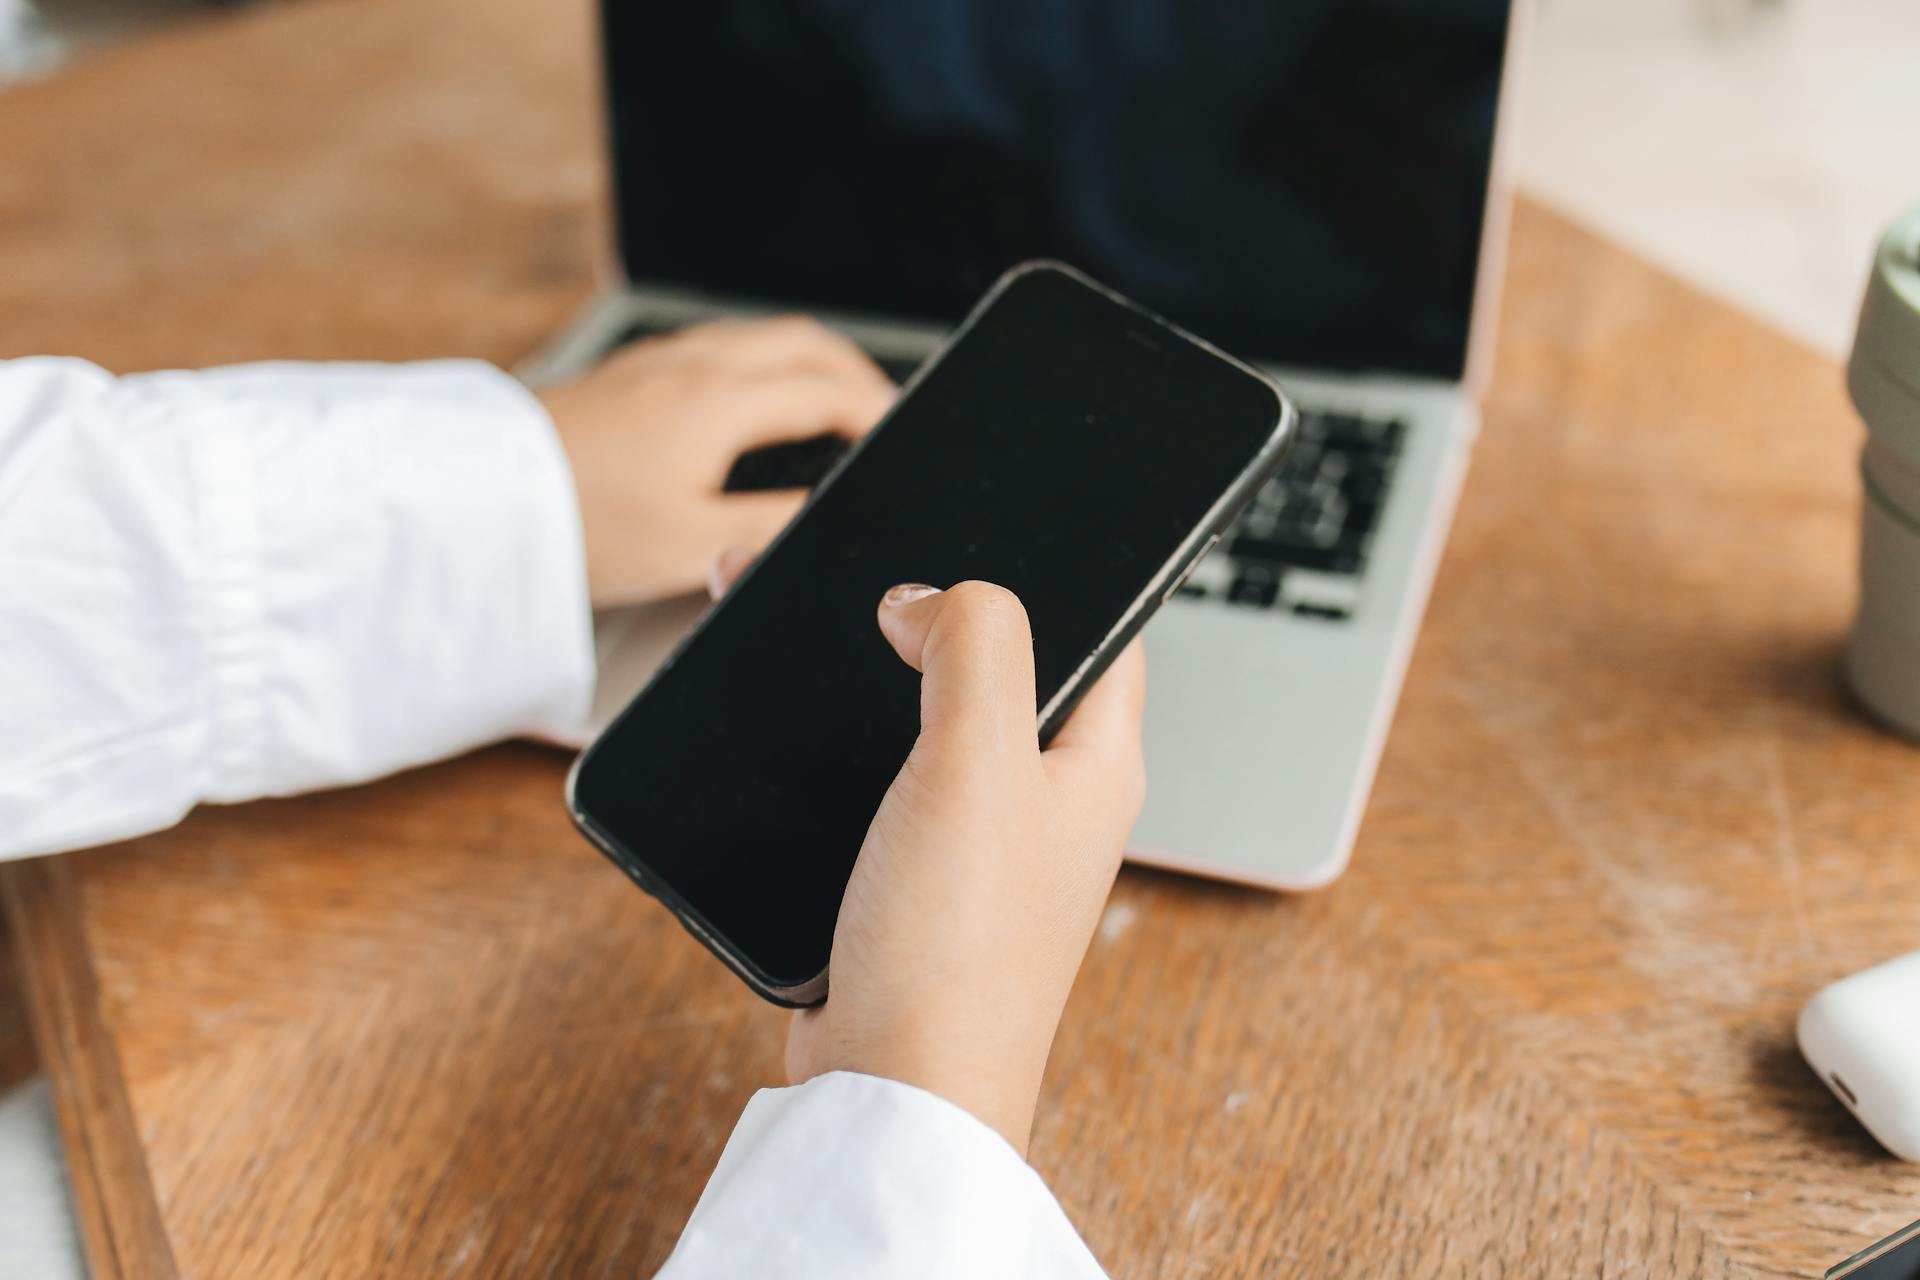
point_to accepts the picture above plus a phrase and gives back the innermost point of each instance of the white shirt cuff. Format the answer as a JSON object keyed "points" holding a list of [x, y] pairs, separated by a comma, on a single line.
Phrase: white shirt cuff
{"points": [[272, 578], [401, 574], [855, 1177]]}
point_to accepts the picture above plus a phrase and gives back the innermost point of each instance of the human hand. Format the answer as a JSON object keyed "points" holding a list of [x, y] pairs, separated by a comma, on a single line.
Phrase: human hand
{"points": [[652, 431], [985, 871]]}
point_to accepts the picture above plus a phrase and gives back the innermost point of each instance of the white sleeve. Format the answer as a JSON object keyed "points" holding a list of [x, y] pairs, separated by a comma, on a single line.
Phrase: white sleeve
{"points": [[853, 1177], [270, 578]]}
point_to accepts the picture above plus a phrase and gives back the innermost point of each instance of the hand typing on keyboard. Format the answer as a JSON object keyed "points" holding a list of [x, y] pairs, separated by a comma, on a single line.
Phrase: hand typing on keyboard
{"points": [[796, 464], [653, 432]]}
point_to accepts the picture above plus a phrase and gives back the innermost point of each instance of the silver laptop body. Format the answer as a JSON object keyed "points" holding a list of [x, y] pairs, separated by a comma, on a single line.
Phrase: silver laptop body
{"points": [[1271, 683]]}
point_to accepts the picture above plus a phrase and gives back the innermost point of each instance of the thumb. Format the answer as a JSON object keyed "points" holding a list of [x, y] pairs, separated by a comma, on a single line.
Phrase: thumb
{"points": [[974, 650]]}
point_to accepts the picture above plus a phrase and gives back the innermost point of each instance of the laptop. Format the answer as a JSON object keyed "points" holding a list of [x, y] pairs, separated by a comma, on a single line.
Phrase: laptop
{"points": [[1311, 185]]}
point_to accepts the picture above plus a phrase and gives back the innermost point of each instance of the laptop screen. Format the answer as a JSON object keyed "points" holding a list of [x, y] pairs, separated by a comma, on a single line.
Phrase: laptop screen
{"points": [[1301, 182]]}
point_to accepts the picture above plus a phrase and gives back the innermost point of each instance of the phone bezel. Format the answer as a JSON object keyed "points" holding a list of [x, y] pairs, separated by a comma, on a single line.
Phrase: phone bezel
{"points": [[1214, 524]]}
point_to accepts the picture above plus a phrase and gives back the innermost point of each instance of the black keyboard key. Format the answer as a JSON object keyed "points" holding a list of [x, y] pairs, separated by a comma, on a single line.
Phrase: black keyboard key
{"points": [[794, 464], [1341, 557], [1242, 545], [1264, 550], [1257, 585], [1362, 516], [1303, 459], [1365, 483], [1348, 429]]}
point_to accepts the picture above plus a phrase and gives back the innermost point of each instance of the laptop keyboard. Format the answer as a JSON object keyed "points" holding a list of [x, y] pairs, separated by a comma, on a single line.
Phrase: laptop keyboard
{"points": [[1301, 546]]}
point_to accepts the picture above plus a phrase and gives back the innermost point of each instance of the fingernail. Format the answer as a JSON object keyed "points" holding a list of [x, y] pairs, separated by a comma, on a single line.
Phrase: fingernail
{"points": [[715, 587], [906, 593]]}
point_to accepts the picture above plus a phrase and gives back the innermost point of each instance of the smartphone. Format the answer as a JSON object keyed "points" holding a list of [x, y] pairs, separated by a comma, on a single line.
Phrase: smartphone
{"points": [[1895, 1258], [1065, 444]]}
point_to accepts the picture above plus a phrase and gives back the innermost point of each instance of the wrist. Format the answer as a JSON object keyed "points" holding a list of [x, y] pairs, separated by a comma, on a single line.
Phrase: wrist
{"points": [[998, 1088], [1003, 1105], [558, 403]]}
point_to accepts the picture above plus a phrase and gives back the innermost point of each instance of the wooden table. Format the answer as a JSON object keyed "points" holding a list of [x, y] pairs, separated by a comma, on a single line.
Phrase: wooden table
{"points": [[1626, 824]]}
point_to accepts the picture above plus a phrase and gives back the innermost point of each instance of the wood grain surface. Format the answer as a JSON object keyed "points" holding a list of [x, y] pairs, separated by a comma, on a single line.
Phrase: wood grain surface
{"points": [[1627, 822]]}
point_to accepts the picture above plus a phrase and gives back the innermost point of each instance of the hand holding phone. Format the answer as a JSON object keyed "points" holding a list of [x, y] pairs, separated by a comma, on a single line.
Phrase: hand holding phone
{"points": [[1066, 445], [982, 879]]}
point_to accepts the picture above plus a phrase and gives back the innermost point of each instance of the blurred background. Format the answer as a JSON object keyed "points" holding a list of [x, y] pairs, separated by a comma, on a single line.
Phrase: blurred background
{"points": [[1753, 147]]}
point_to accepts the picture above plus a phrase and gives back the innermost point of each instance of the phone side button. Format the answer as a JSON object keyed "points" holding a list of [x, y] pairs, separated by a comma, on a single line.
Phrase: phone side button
{"points": [[1213, 540]]}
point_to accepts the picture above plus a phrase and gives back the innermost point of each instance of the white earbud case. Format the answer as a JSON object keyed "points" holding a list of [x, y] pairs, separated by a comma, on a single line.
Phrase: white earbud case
{"points": [[1862, 1036]]}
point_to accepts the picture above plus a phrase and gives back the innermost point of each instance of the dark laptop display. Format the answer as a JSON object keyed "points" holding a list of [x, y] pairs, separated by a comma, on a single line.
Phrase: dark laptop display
{"points": [[1301, 181]]}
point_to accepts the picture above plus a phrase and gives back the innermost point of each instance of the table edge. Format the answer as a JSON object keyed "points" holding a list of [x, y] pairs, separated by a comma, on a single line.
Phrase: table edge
{"points": [[115, 1202]]}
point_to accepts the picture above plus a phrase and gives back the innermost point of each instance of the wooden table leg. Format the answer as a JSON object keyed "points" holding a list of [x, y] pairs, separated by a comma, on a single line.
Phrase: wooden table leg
{"points": [[18, 1061], [113, 1194]]}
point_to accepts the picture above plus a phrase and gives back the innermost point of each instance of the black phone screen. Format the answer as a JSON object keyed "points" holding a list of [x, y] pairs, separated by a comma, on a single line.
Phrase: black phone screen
{"points": [[1065, 446]]}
